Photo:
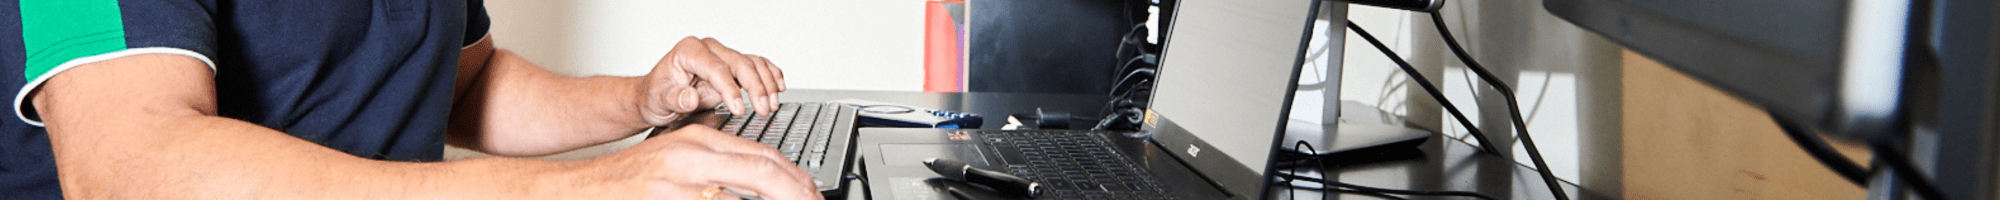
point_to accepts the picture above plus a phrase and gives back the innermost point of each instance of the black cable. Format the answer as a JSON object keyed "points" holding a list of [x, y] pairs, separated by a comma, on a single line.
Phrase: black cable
{"points": [[1127, 39], [1289, 177], [1887, 152], [1428, 88], [1349, 191], [1507, 92], [853, 176], [1818, 149], [1851, 171], [1124, 119], [1148, 59], [1116, 110], [1391, 191], [1918, 55], [1133, 79], [1288, 182]]}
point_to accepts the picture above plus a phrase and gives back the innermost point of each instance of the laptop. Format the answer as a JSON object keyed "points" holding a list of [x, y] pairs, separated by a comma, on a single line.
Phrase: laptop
{"points": [[817, 136], [1221, 101]]}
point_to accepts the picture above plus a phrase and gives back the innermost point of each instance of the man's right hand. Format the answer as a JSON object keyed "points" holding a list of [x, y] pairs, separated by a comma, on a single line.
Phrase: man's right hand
{"points": [[696, 159]]}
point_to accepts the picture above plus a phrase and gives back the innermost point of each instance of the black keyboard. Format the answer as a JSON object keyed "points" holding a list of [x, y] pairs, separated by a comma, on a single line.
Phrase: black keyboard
{"points": [[800, 130], [1077, 166]]}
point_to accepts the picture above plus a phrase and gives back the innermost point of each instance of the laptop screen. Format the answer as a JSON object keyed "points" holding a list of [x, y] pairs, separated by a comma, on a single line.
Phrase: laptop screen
{"points": [[1227, 73]]}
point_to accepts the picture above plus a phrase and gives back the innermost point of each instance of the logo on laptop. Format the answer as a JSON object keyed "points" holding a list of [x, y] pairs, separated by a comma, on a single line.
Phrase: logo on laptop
{"points": [[960, 136], [1150, 120], [1194, 151]]}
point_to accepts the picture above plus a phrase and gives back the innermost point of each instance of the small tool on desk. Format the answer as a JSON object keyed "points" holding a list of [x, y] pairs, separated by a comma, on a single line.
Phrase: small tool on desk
{"points": [[999, 181]]}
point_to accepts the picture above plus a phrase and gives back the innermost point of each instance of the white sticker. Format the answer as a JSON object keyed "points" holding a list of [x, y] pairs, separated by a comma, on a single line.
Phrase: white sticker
{"points": [[1194, 151]]}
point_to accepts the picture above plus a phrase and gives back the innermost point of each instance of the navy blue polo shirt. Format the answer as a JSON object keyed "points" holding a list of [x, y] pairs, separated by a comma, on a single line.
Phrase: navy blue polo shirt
{"points": [[372, 78]]}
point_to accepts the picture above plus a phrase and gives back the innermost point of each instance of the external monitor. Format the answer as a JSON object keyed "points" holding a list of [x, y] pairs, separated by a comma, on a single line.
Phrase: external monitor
{"points": [[1835, 65]]}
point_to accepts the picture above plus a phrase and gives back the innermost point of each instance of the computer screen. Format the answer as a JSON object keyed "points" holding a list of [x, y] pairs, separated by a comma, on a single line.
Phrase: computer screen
{"points": [[1918, 73], [1227, 72]]}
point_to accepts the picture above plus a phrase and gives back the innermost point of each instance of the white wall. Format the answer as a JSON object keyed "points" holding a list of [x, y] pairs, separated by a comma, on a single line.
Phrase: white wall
{"points": [[857, 45]]}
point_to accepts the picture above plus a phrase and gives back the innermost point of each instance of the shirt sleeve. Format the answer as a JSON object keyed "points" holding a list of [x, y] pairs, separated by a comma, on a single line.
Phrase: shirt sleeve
{"points": [[55, 36]]}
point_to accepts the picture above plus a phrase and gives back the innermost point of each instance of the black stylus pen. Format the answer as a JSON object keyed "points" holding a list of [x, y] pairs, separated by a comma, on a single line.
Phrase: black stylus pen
{"points": [[997, 180]]}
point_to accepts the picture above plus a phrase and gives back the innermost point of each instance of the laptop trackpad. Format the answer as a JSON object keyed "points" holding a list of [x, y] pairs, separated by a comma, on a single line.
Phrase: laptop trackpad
{"points": [[913, 155]]}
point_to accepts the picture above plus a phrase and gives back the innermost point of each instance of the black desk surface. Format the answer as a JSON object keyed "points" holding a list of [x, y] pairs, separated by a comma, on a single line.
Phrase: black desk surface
{"points": [[1444, 164]]}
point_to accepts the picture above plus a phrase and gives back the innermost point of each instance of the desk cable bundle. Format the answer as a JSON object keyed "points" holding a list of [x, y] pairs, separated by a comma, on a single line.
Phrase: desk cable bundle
{"points": [[1520, 126], [1135, 81]]}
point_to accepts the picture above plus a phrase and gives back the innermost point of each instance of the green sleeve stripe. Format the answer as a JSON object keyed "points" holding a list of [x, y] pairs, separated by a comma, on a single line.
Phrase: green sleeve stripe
{"points": [[58, 31]]}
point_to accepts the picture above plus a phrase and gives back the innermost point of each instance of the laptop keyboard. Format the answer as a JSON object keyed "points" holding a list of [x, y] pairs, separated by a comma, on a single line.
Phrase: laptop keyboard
{"points": [[1077, 166], [800, 130]]}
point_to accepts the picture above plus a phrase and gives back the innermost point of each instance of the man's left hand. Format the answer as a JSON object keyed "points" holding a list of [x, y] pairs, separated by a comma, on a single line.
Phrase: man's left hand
{"points": [[701, 73]]}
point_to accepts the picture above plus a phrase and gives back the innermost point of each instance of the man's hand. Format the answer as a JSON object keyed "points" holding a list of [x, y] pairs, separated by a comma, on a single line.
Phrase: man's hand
{"points": [[696, 159], [507, 105], [700, 73]]}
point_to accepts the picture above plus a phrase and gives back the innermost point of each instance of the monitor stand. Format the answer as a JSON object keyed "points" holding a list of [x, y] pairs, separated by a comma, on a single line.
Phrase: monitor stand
{"points": [[1356, 130]]}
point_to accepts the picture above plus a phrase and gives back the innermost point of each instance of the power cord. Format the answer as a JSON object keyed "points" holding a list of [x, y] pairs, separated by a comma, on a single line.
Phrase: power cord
{"points": [[1899, 164], [1123, 111], [1293, 190], [853, 176], [1847, 169], [1555, 186], [1507, 92], [1821, 152], [1127, 84], [1364, 190], [1362, 193], [1428, 88], [1386, 190]]}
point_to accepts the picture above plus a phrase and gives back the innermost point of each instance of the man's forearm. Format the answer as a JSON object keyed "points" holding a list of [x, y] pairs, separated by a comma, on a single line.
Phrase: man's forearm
{"points": [[514, 107], [219, 158], [145, 127]]}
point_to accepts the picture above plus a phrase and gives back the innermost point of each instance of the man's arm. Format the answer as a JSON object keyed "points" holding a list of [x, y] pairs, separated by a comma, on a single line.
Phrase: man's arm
{"points": [[507, 105], [145, 127]]}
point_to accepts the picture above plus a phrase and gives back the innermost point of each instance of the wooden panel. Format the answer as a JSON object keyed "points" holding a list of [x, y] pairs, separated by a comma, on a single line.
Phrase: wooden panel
{"points": [[1686, 140]]}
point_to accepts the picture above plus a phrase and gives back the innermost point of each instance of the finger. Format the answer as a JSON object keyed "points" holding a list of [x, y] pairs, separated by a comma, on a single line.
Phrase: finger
{"points": [[753, 174], [763, 75], [725, 147], [710, 98], [745, 73], [678, 96], [766, 73], [739, 146], [667, 107], [694, 56], [776, 74], [721, 142]]}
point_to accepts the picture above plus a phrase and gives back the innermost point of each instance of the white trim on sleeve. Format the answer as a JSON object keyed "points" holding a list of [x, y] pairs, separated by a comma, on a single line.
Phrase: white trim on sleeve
{"points": [[20, 98]]}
